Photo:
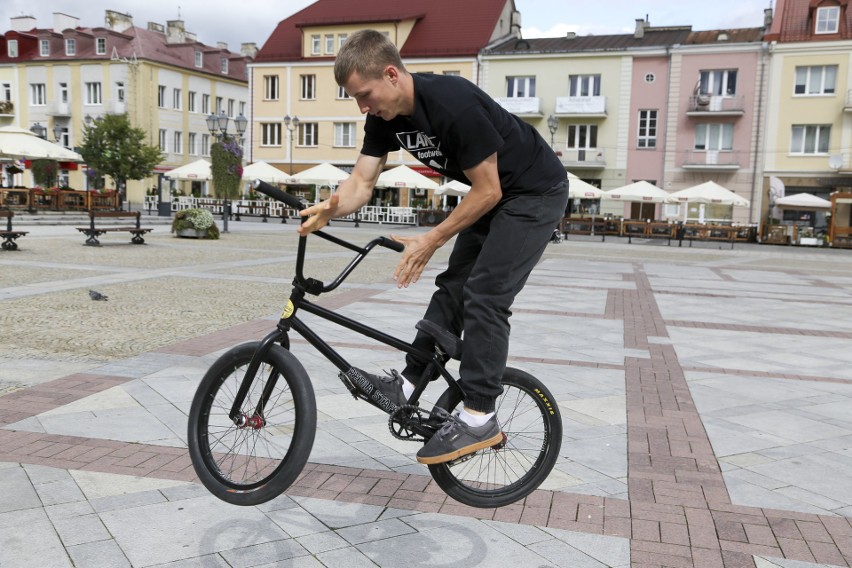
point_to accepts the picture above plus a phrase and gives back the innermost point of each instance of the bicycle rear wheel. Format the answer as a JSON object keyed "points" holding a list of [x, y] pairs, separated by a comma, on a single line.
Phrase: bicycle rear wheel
{"points": [[500, 475], [255, 462]]}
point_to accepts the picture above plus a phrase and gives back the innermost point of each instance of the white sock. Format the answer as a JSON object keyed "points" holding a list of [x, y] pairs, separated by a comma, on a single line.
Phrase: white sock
{"points": [[407, 387], [474, 419]]}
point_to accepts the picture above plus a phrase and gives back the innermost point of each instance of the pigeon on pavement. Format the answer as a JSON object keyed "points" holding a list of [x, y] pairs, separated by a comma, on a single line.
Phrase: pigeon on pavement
{"points": [[97, 296]]}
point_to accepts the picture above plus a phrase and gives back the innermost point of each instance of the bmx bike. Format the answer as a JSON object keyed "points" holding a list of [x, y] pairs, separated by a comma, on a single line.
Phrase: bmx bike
{"points": [[253, 417]]}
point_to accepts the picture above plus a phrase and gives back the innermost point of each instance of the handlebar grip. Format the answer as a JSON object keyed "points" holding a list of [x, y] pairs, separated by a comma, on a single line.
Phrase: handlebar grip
{"points": [[391, 244], [275, 193]]}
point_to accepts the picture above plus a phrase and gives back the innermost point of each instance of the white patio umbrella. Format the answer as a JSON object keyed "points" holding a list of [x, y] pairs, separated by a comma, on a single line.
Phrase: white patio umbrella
{"points": [[265, 172], [803, 201], [708, 192], [199, 170], [578, 189], [323, 174], [19, 143], [641, 191], [403, 176], [453, 187]]}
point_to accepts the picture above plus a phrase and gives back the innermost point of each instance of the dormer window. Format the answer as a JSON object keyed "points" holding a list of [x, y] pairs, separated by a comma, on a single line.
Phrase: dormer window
{"points": [[224, 65], [12, 48], [44, 47], [827, 20], [70, 47], [100, 46], [199, 59]]}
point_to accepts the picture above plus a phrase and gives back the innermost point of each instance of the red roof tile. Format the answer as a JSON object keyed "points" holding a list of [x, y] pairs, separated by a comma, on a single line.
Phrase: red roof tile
{"points": [[797, 22], [444, 27]]}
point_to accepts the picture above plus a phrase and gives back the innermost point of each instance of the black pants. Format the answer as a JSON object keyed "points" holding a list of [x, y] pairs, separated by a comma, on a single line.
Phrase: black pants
{"points": [[489, 265]]}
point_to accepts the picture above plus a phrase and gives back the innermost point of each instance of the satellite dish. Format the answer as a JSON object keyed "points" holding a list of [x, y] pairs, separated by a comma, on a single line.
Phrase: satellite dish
{"points": [[835, 161]]}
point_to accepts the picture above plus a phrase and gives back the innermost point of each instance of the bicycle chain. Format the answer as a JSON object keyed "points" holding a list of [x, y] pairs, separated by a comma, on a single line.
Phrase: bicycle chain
{"points": [[401, 417]]}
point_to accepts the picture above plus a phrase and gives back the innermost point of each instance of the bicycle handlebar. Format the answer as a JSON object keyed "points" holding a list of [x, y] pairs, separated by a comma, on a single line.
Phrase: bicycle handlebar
{"points": [[275, 193]]}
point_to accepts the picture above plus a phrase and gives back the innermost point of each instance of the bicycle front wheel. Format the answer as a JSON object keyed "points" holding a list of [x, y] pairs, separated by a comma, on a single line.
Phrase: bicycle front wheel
{"points": [[255, 461], [502, 474]]}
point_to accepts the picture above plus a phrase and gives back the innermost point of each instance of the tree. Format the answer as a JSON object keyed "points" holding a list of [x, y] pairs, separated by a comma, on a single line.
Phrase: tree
{"points": [[112, 146]]}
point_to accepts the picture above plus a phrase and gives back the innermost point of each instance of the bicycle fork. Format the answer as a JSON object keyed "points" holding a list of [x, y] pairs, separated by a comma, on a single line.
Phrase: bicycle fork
{"points": [[256, 420]]}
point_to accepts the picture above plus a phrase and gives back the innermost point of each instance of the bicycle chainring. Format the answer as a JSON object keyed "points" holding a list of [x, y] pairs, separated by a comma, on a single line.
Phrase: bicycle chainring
{"points": [[399, 422]]}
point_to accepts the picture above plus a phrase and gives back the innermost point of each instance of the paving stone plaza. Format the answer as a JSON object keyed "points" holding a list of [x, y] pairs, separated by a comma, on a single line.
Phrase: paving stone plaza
{"points": [[706, 397]]}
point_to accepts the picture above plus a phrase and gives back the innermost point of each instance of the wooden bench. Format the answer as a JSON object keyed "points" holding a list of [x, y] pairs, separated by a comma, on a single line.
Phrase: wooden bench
{"points": [[93, 232], [9, 235]]}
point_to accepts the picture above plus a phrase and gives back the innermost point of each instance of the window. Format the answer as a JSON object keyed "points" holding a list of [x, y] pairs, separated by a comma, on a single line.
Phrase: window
{"points": [[70, 47], [582, 136], [718, 82], [119, 91], [44, 47], [650, 77], [205, 104], [63, 92], [329, 43], [231, 103], [584, 85], [178, 142], [270, 87], [827, 20], [810, 139], [192, 142], [308, 133], [7, 91], [344, 134], [94, 95], [517, 87], [816, 80], [176, 99], [341, 39], [199, 59], [242, 108], [12, 48], [161, 96], [38, 94], [647, 136], [341, 93], [162, 140], [190, 101], [224, 62], [100, 46], [205, 144], [714, 137], [219, 107], [270, 134], [315, 44], [309, 83]]}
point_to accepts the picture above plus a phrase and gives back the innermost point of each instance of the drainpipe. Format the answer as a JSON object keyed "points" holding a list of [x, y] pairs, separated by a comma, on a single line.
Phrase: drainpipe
{"points": [[668, 113], [757, 176]]}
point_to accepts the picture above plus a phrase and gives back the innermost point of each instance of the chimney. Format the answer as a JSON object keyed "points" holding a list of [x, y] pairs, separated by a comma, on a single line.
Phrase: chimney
{"points": [[155, 27], [248, 50], [175, 31], [639, 33], [22, 23], [570, 35], [64, 21], [767, 18], [222, 45], [117, 22]]}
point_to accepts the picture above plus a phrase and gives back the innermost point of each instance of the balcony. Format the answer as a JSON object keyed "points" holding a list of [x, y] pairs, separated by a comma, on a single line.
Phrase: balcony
{"points": [[585, 158], [57, 108], [581, 107], [711, 160], [7, 108], [706, 105], [115, 107], [521, 106]]}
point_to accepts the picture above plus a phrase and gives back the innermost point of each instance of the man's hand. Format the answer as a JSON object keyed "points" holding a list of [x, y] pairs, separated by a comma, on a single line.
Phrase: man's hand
{"points": [[319, 214], [418, 251]]}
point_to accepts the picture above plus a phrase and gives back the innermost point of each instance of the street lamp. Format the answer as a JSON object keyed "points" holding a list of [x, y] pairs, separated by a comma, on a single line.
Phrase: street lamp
{"points": [[57, 132], [291, 124], [39, 130], [218, 126], [553, 126]]}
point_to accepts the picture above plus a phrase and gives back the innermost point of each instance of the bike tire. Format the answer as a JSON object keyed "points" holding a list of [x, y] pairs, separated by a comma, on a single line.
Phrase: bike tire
{"points": [[248, 466], [495, 477]]}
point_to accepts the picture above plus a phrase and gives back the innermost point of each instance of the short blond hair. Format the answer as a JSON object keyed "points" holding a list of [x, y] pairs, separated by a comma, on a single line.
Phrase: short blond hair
{"points": [[367, 52]]}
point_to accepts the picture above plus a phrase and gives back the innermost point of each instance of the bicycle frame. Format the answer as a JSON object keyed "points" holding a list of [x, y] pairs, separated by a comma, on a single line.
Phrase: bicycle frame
{"points": [[290, 321]]}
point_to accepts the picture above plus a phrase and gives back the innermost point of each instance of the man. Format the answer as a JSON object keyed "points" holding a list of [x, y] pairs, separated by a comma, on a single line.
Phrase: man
{"points": [[518, 193]]}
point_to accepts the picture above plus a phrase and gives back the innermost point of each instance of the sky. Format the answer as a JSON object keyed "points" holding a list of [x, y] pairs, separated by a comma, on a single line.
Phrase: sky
{"points": [[234, 23]]}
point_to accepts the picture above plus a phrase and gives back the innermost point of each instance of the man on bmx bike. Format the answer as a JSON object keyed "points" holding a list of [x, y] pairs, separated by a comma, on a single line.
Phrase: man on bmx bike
{"points": [[518, 191]]}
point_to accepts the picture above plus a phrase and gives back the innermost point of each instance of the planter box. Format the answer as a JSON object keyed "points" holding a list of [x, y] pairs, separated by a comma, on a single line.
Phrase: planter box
{"points": [[191, 234]]}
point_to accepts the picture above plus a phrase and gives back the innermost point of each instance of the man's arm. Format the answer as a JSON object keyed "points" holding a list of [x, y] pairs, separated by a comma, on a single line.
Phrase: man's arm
{"points": [[485, 193], [352, 194]]}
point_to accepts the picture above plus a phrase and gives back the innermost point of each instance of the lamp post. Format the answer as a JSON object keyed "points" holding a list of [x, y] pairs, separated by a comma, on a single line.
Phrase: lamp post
{"points": [[39, 130], [57, 132], [291, 124], [217, 124], [553, 126]]}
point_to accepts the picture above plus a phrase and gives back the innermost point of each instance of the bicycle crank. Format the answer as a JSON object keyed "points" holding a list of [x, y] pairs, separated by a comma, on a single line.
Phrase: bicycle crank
{"points": [[406, 423]]}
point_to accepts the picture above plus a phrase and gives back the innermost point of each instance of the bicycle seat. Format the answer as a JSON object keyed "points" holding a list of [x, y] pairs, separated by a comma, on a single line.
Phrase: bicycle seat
{"points": [[450, 343]]}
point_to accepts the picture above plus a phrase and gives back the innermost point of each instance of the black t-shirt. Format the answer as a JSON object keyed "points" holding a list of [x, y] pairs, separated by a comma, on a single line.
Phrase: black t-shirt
{"points": [[455, 126]]}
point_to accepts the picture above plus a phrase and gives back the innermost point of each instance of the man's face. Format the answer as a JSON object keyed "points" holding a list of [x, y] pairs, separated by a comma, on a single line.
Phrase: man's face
{"points": [[379, 97]]}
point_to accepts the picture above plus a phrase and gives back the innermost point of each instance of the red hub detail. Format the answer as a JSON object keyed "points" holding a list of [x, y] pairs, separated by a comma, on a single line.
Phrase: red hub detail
{"points": [[501, 444], [255, 422]]}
